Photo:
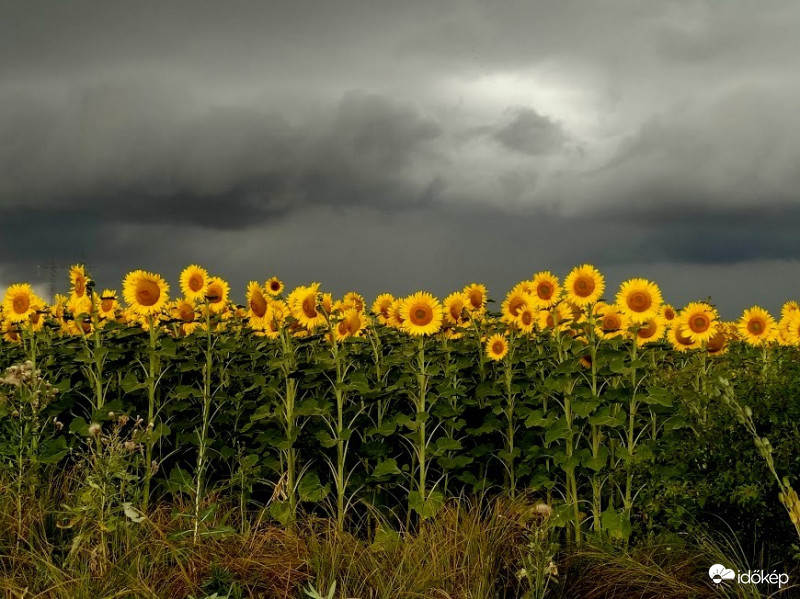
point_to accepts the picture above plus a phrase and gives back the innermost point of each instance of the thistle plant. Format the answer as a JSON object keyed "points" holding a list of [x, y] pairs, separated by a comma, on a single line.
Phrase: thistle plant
{"points": [[24, 397]]}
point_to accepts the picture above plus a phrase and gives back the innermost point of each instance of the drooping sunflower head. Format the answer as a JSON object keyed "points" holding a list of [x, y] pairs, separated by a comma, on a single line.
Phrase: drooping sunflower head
{"points": [[640, 299], [382, 307], [476, 292], [108, 304], [217, 293], [757, 327], [422, 314], [257, 302], [679, 341], [698, 321], [496, 347], [194, 282], [78, 280], [650, 331], [456, 311], [19, 302], [546, 289], [516, 300], [274, 286], [584, 285], [147, 293]]}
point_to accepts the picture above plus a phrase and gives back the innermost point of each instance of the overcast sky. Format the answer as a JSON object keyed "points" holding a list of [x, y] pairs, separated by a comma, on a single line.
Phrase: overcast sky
{"points": [[384, 145]]}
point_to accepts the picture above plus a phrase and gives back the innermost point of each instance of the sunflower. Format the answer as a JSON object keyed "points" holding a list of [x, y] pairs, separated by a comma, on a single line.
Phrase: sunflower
{"points": [[611, 322], [257, 302], [584, 285], [678, 340], [11, 331], [194, 282], [640, 299], [147, 293], [395, 317], [546, 289], [19, 302], [36, 319], [718, 344], [650, 331], [183, 310], [422, 314], [274, 286], [352, 324], [271, 325], [757, 327], [455, 308], [668, 313], [559, 316], [382, 306], [353, 300], [304, 303], [476, 292], [515, 301], [792, 327], [496, 347], [108, 304], [78, 280], [698, 321], [217, 294], [526, 319]]}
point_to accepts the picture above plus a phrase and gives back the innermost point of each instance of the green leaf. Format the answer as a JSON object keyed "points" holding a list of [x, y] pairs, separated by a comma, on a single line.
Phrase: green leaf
{"points": [[310, 488], [386, 468]]}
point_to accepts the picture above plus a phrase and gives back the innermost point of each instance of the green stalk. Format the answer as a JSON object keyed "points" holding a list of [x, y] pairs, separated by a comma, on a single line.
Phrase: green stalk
{"points": [[341, 446], [289, 422], [422, 385], [201, 449], [509, 413], [151, 412], [631, 432]]}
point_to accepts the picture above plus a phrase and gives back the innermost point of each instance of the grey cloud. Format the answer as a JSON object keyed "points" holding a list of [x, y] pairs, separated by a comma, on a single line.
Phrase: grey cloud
{"points": [[130, 155], [531, 133]]}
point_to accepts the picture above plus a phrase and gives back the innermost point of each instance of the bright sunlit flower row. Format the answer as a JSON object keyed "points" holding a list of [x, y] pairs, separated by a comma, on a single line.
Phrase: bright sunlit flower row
{"points": [[543, 305]]}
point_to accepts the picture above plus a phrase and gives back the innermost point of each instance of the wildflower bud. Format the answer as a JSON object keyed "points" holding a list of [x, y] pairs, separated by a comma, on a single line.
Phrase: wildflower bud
{"points": [[15, 414], [94, 429], [130, 445], [111, 414], [748, 411], [123, 419]]}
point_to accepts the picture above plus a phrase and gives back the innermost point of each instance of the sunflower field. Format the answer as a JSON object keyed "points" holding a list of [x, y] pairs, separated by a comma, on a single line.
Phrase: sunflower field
{"points": [[623, 416]]}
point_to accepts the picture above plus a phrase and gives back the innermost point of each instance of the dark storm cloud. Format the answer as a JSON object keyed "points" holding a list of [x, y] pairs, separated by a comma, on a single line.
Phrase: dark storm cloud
{"points": [[129, 156], [529, 132], [498, 137]]}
